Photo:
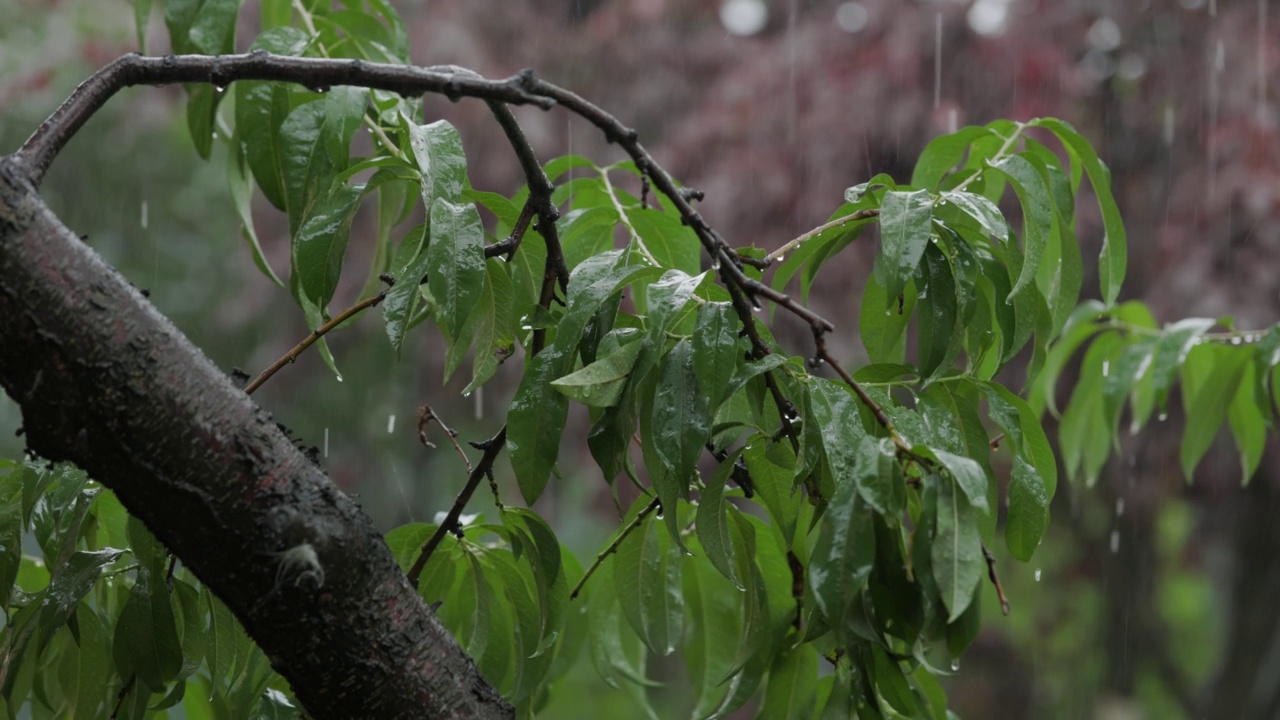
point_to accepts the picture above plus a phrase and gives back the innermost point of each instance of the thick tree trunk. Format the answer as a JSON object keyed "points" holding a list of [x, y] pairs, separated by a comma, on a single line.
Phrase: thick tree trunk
{"points": [[105, 381]]}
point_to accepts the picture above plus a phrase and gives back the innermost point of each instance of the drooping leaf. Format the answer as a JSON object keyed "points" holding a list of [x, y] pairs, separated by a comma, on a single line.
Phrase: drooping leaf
{"points": [[1037, 211], [712, 522], [647, 578], [1113, 260], [1210, 378], [792, 686], [904, 231], [537, 414], [455, 262], [715, 350], [438, 149], [957, 552]]}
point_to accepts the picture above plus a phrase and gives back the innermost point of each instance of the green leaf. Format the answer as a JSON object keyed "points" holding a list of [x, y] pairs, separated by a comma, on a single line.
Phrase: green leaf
{"points": [[1037, 211], [1175, 345], [712, 522], [715, 350], [891, 684], [670, 242], [600, 384], [647, 578], [455, 262], [842, 560], [93, 663], [221, 649], [438, 149], [904, 232], [1114, 257], [681, 423], [68, 585], [713, 631], [1028, 510], [956, 553], [1248, 424], [1084, 434], [321, 243], [792, 687], [982, 210], [534, 540], [260, 111], [493, 324], [942, 154], [242, 198], [772, 467], [313, 149], [936, 329], [1079, 327], [615, 651], [1211, 375], [970, 476], [141, 14], [146, 636], [537, 414], [1023, 432], [882, 321]]}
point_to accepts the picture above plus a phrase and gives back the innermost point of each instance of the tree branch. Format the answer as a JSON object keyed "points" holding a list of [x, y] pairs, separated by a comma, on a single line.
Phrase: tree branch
{"points": [[38, 152], [105, 381]]}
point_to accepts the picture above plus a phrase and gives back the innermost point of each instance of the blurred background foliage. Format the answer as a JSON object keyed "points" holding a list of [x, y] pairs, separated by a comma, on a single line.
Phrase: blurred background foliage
{"points": [[1148, 599]]}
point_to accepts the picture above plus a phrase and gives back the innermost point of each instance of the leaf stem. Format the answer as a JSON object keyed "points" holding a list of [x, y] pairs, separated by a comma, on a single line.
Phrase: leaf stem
{"points": [[613, 546], [315, 335], [794, 243], [1000, 155]]}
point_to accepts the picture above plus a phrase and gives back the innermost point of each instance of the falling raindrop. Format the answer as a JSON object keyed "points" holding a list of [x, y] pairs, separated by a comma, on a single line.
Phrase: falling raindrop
{"points": [[952, 120], [1119, 507], [1106, 368], [1168, 124], [326, 442], [1037, 574], [144, 220], [937, 62], [1115, 541], [479, 403], [391, 424], [1262, 60]]}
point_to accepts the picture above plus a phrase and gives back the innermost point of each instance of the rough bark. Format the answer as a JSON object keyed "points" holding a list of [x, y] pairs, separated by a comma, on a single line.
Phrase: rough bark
{"points": [[107, 382]]}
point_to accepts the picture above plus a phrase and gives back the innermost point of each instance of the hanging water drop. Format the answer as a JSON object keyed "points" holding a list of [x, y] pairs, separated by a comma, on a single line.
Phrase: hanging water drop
{"points": [[1235, 340], [1163, 416], [955, 665]]}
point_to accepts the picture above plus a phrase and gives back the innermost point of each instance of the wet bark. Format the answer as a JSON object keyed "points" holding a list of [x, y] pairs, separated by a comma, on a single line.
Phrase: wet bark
{"points": [[107, 382]]}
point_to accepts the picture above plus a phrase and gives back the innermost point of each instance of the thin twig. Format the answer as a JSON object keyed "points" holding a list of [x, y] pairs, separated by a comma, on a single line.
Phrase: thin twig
{"points": [[613, 546], [790, 245], [995, 579], [315, 335], [491, 448], [124, 692], [425, 416]]}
